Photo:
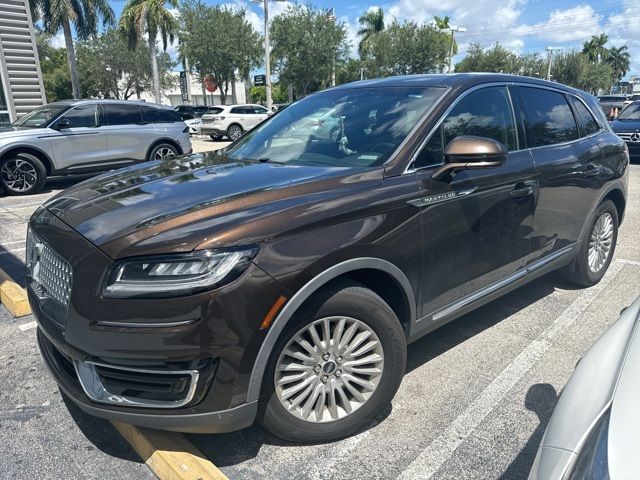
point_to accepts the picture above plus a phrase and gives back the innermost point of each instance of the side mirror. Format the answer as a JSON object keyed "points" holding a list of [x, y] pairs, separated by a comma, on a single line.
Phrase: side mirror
{"points": [[62, 124], [466, 152]]}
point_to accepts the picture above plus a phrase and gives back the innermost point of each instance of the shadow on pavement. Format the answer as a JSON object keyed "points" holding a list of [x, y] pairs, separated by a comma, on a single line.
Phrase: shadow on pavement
{"points": [[101, 433], [13, 266], [541, 399]]}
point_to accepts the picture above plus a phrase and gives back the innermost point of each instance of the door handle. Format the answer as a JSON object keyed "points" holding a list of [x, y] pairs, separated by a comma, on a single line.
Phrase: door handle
{"points": [[521, 191], [592, 171]]}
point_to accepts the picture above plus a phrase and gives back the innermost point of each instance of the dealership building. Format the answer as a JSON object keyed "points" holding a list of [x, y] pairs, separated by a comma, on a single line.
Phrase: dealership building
{"points": [[21, 87]]}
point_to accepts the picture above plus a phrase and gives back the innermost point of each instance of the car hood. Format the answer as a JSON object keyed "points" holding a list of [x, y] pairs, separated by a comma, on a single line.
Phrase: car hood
{"points": [[626, 126], [174, 205], [14, 132]]}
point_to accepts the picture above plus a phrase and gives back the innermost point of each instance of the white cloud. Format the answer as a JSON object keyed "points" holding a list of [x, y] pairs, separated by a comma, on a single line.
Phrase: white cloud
{"points": [[623, 29], [571, 25], [57, 41]]}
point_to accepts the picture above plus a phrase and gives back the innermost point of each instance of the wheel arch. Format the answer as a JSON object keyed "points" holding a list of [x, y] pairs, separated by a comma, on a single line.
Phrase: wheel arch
{"points": [[168, 140], [371, 272], [618, 199], [36, 152]]}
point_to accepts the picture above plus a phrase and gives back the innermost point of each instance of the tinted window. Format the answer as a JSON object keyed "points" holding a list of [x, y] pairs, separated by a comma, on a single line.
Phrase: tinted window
{"points": [[258, 109], [588, 124], [120, 114], [549, 116], [82, 116], [159, 115], [483, 113], [239, 110], [214, 110], [632, 112]]}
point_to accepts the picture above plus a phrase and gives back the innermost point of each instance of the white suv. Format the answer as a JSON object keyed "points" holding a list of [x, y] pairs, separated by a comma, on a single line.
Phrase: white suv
{"points": [[232, 120]]}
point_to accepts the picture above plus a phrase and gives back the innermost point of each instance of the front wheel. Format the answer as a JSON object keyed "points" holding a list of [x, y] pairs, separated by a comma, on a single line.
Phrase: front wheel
{"points": [[22, 174], [596, 249], [163, 151], [335, 368]]}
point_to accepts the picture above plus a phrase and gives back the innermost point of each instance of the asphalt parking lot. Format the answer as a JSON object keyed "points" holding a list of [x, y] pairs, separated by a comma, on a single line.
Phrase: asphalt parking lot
{"points": [[474, 403]]}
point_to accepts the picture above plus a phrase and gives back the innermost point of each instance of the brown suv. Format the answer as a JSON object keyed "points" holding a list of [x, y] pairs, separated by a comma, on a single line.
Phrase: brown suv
{"points": [[282, 278]]}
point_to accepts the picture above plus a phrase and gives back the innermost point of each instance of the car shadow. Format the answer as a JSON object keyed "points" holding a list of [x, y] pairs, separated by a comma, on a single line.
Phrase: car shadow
{"points": [[58, 183], [234, 448]]}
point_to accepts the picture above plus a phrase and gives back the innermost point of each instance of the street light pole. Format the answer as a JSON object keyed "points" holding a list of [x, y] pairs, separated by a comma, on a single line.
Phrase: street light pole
{"points": [[550, 60], [453, 30], [267, 56]]}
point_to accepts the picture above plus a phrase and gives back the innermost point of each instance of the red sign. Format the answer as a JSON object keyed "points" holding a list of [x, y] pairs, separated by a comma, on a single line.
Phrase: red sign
{"points": [[210, 84]]}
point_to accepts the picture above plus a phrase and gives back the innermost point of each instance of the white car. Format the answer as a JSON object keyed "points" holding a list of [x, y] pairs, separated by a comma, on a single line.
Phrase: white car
{"points": [[194, 125], [232, 120]]}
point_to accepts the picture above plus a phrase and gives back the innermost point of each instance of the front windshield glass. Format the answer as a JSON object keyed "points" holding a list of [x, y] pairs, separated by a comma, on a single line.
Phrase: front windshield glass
{"points": [[346, 128], [632, 112], [41, 116]]}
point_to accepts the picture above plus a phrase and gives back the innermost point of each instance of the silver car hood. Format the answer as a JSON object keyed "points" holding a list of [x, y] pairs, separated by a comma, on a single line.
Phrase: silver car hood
{"points": [[606, 375], [13, 132]]}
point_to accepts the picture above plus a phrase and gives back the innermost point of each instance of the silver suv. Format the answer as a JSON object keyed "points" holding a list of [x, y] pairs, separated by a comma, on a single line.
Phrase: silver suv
{"points": [[83, 136]]}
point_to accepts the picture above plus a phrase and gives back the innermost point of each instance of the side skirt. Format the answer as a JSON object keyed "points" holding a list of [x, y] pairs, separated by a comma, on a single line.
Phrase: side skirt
{"points": [[456, 309]]}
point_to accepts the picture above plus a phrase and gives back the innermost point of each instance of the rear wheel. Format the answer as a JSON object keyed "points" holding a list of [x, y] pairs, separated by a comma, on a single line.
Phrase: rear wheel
{"points": [[22, 174], [163, 151], [596, 249], [335, 368], [234, 132]]}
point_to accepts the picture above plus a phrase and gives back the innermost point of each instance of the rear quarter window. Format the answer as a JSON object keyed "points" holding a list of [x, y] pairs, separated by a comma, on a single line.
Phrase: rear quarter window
{"points": [[159, 115]]}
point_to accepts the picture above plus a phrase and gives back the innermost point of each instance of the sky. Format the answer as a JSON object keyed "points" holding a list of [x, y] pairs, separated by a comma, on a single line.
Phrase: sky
{"points": [[521, 25]]}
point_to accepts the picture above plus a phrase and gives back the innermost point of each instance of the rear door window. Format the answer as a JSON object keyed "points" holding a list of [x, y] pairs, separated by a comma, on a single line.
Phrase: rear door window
{"points": [[549, 117], [588, 124], [483, 113], [121, 114]]}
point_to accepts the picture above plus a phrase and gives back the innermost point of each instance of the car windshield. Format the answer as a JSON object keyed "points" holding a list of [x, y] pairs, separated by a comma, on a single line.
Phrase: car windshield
{"points": [[41, 116], [612, 99], [632, 112], [346, 127]]}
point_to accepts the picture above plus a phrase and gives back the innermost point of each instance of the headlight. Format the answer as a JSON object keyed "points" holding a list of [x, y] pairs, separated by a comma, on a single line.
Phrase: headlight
{"points": [[178, 274], [592, 460]]}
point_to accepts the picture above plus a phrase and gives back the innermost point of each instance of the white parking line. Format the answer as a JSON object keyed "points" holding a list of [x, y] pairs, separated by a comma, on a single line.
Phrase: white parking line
{"points": [[2, 244], [443, 447], [27, 326], [629, 262]]}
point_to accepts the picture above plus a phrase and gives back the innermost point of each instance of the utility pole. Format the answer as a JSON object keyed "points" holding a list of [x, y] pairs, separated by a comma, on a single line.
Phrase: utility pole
{"points": [[452, 30], [267, 50], [550, 60]]}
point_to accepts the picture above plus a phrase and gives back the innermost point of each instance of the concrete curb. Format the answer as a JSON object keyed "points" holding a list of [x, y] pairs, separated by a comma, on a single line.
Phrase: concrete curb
{"points": [[13, 296], [168, 454]]}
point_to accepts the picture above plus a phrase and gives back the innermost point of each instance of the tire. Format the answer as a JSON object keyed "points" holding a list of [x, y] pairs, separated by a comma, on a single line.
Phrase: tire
{"points": [[580, 271], [355, 305], [162, 151], [234, 132], [22, 174]]}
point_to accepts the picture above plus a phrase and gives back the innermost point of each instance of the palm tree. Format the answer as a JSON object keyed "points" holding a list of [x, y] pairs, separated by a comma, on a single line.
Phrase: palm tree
{"points": [[594, 48], [150, 17], [442, 23], [84, 15], [372, 22], [618, 59]]}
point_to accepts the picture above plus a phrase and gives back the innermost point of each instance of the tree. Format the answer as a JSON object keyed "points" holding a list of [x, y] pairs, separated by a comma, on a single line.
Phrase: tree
{"points": [[349, 70], [575, 69], [220, 42], [306, 43], [619, 60], [406, 48], [109, 68], [54, 68], [595, 49], [278, 94], [85, 15], [149, 17], [499, 59], [442, 23], [372, 22]]}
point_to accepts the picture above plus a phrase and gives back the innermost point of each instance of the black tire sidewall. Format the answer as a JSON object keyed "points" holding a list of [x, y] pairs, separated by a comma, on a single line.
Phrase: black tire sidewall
{"points": [[346, 300], [582, 267], [155, 149], [41, 172]]}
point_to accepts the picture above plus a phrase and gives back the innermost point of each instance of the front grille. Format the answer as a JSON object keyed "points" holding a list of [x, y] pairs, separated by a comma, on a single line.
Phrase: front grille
{"points": [[627, 137], [49, 269]]}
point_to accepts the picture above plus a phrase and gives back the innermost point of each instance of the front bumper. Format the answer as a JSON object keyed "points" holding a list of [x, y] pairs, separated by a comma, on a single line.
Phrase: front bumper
{"points": [[215, 334], [206, 130]]}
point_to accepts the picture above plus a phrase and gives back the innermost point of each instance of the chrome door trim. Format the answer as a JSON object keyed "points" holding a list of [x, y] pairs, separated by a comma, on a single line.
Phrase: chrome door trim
{"points": [[478, 294]]}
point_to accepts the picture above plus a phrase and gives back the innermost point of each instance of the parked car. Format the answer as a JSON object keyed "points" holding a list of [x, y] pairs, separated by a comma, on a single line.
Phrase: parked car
{"points": [[592, 434], [82, 136], [323, 124], [627, 126], [189, 112], [281, 278], [233, 121], [612, 105]]}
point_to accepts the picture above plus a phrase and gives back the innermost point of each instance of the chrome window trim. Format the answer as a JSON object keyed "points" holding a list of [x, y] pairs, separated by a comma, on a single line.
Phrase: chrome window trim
{"points": [[95, 390]]}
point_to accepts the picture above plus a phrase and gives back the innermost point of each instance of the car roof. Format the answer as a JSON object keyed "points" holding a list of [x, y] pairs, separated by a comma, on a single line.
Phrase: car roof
{"points": [[106, 101]]}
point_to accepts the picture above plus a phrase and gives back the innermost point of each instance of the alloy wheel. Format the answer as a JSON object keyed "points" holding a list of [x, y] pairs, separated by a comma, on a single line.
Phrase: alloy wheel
{"points": [[329, 369], [164, 153], [600, 242], [19, 175], [235, 132]]}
